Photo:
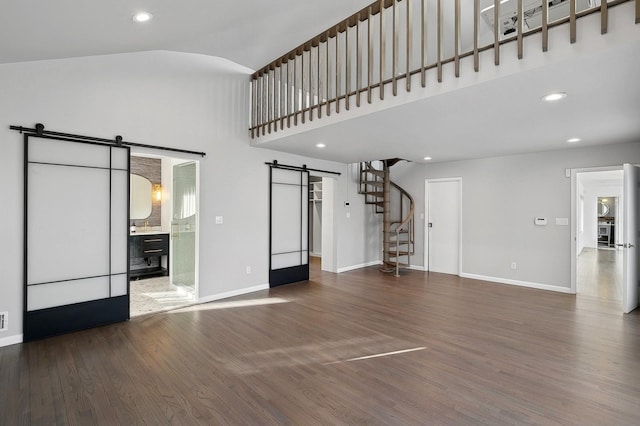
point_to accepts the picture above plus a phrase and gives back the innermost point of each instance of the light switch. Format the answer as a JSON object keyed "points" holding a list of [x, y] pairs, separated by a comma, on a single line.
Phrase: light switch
{"points": [[219, 220], [348, 215], [562, 221]]}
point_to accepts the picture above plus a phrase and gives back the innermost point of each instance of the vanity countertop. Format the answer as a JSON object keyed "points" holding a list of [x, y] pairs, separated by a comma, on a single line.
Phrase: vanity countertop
{"points": [[147, 232]]}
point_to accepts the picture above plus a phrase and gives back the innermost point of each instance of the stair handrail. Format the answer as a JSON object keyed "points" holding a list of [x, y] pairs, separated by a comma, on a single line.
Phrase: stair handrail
{"points": [[325, 75]]}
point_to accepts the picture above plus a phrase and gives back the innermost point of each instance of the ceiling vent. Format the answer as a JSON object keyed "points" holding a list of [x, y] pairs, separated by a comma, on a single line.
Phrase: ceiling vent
{"points": [[532, 13]]}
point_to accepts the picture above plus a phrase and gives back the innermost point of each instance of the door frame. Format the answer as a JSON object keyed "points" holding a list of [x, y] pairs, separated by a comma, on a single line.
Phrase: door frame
{"points": [[167, 163], [458, 179], [575, 202]]}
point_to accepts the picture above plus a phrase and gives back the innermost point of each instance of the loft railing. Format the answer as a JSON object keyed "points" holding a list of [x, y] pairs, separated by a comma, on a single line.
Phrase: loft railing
{"points": [[392, 40]]}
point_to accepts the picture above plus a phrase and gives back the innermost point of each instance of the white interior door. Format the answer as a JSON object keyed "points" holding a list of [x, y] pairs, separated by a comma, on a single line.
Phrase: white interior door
{"points": [[443, 225], [631, 254]]}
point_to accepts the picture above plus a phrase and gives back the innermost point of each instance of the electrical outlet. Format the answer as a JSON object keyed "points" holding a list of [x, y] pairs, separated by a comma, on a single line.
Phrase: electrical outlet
{"points": [[514, 265], [219, 220], [348, 215], [248, 269]]}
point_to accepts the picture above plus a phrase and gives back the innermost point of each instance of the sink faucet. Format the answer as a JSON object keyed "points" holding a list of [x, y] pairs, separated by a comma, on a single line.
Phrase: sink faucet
{"points": [[146, 225]]}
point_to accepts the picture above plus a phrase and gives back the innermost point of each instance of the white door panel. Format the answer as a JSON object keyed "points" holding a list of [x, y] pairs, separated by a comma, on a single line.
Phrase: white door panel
{"points": [[443, 226], [631, 254]]}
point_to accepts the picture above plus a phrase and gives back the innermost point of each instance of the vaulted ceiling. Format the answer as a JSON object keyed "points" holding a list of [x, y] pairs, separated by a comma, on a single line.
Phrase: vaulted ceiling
{"points": [[500, 117], [248, 32]]}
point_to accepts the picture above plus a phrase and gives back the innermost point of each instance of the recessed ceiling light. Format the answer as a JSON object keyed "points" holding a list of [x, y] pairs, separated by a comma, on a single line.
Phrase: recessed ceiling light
{"points": [[142, 17], [427, 158], [556, 96], [572, 140], [320, 145]]}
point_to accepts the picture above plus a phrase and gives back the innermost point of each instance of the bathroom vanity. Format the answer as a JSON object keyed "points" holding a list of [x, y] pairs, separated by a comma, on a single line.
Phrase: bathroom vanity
{"points": [[148, 252]]}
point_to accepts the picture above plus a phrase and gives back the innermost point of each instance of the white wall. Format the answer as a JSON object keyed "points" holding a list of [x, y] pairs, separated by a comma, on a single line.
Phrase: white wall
{"points": [[500, 198], [169, 99]]}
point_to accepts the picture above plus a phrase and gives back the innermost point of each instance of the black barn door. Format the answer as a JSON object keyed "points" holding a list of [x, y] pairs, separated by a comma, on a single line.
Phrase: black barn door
{"points": [[75, 236], [289, 225]]}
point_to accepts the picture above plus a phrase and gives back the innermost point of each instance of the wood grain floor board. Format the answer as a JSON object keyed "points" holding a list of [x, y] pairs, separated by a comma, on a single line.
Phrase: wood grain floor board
{"points": [[477, 353]]}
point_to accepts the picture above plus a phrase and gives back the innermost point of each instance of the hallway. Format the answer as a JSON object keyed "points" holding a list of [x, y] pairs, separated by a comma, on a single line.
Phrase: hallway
{"points": [[600, 274]]}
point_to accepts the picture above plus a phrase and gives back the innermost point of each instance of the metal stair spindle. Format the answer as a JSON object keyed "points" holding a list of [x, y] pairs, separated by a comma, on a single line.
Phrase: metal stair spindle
{"points": [[386, 215]]}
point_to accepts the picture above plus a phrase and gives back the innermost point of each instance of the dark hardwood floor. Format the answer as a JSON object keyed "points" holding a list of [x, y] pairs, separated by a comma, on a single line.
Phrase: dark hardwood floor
{"points": [[354, 348]]}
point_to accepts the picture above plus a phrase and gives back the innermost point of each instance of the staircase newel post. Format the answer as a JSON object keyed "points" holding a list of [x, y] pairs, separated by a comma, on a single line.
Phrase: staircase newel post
{"points": [[386, 215]]}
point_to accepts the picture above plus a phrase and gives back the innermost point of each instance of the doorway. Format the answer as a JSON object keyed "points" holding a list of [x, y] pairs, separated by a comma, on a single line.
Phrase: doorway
{"points": [[321, 224], [443, 234], [598, 261], [164, 265]]}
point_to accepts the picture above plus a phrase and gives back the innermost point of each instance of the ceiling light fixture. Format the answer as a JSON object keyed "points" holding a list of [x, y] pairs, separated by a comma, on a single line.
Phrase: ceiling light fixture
{"points": [[573, 140], [427, 158], [556, 96], [320, 145], [142, 17]]}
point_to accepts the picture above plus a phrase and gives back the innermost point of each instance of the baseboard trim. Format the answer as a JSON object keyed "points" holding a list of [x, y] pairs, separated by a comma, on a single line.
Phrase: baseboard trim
{"points": [[11, 340], [418, 268], [360, 266], [556, 288], [233, 293]]}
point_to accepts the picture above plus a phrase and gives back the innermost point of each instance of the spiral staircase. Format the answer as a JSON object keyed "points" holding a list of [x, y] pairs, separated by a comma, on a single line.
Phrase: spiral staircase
{"points": [[397, 209]]}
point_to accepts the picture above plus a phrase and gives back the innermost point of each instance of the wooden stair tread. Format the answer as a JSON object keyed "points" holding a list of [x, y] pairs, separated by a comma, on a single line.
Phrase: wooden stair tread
{"points": [[374, 171], [402, 265]]}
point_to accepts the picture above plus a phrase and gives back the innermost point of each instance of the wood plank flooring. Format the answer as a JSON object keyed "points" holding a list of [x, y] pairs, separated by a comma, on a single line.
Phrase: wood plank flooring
{"points": [[354, 348], [600, 273]]}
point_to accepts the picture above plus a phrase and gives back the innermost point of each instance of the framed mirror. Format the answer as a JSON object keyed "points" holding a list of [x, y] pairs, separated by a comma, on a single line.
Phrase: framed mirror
{"points": [[141, 193], [603, 207]]}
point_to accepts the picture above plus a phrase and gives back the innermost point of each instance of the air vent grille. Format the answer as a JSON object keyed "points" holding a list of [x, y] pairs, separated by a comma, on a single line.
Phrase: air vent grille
{"points": [[4, 323]]}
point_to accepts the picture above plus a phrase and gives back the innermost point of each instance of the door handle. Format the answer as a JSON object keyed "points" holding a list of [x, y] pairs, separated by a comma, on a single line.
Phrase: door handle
{"points": [[430, 225], [626, 245]]}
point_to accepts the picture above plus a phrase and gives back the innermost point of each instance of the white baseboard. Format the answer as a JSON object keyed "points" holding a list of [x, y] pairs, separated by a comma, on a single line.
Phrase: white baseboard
{"points": [[538, 286], [418, 268], [362, 265], [11, 340], [232, 293]]}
